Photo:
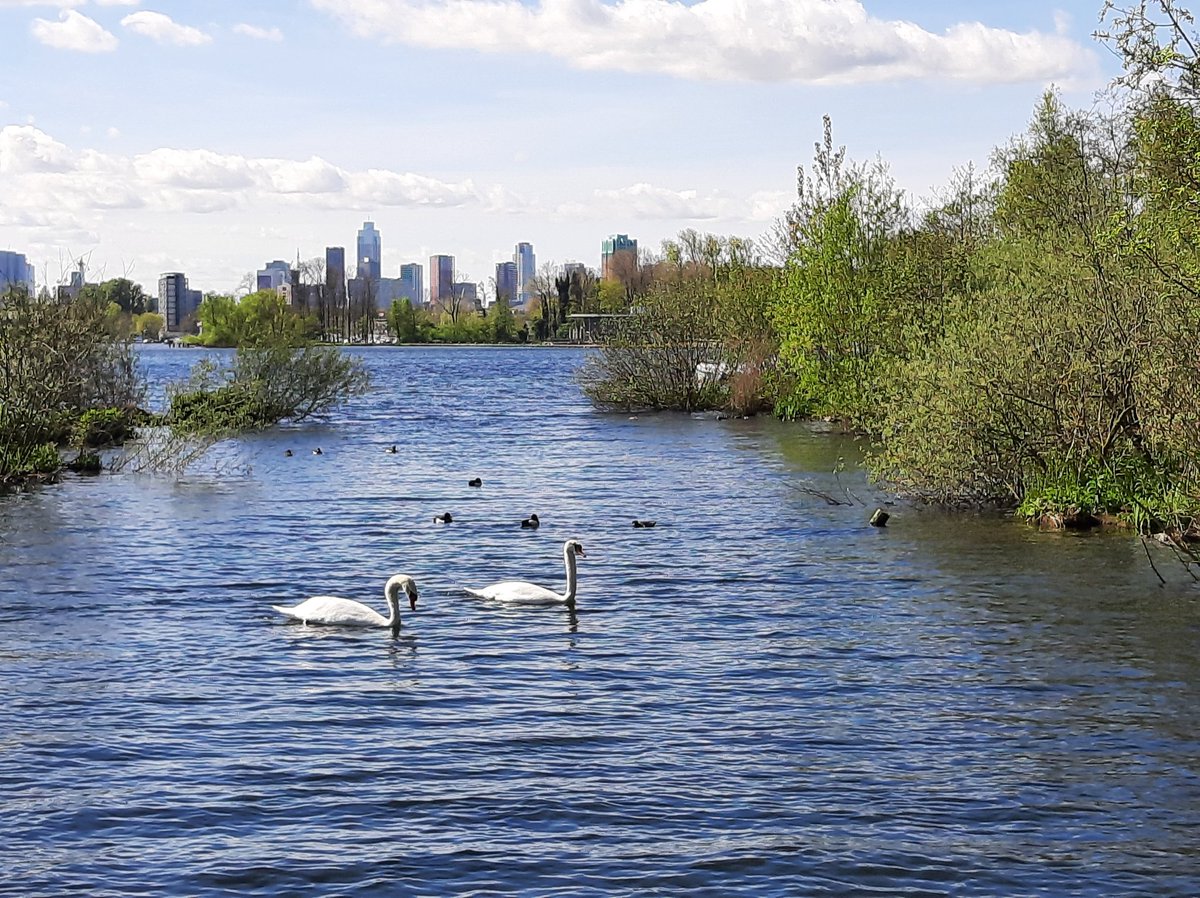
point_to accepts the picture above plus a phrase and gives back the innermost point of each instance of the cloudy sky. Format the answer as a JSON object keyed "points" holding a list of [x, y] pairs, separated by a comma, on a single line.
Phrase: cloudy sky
{"points": [[211, 137]]}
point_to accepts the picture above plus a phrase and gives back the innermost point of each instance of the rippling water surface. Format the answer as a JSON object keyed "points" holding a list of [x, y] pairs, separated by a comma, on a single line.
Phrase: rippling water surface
{"points": [[760, 696]]}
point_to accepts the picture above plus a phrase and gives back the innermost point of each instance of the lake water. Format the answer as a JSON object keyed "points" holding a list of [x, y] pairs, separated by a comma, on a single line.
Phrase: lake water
{"points": [[760, 696]]}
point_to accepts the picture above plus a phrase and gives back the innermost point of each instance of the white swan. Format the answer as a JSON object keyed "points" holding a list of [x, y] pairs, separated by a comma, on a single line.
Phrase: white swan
{"points": [[349, 613], [519, 592]]}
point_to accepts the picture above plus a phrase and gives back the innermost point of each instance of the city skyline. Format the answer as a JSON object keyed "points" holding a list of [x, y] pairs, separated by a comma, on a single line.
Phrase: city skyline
{"points": [[666, 115]]}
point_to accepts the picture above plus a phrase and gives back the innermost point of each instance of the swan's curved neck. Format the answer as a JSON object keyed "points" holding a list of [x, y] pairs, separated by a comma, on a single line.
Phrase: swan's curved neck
{"points": [[393, 603], [569, 560]]}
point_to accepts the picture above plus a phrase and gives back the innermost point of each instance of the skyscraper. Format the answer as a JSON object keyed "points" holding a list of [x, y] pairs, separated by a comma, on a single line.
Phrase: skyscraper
{"points": [[526, 268], [441, 279], [273, 276], [367, 263], [506, 281], [412, 282], [176, 303], [335, 276], [15, 271], [617, 252]]}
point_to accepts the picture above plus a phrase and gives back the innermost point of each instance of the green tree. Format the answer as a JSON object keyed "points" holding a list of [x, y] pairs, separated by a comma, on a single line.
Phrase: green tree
{"points": [[261, 318], [837, 325], [148, 325], [501, 323], [125, 293], [402, 322]]}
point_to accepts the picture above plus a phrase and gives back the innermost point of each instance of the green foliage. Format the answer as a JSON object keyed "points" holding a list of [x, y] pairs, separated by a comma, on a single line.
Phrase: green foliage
{"points": [[837, 315], [148, 325], [404, 324], [262, 386], [698, 339], [57, 362], [1064, 375], [501, 324], [104, 427], [127, 296], [259, 319], [86, 463]]}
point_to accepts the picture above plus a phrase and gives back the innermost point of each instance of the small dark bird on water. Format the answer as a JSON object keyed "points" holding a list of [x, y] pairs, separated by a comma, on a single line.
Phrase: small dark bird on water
{"points": [[288, 453], [318, 451], [442, 518], [531, 523], [475, 482], [644, 523], [391, 450]]}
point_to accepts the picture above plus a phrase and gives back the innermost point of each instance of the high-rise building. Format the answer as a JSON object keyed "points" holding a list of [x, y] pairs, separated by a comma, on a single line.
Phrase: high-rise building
{"points": [[506, 281], [15, 271], [335, 276], [616, 252], [412, 283], [275, 275], [467, 294], [441, 279], [367, 263], [176, 303], [68, 291], [570, 269], [526, 268]]}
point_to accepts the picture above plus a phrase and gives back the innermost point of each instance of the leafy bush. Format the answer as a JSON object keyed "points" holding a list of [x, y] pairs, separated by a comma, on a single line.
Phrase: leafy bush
{"points": [[58, 361], [698, 339], [104, 427], [262, 386]]}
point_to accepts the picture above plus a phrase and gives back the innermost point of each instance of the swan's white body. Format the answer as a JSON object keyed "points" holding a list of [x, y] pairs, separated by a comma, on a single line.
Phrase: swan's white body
{"points": [[335, 611], [518, 592]]}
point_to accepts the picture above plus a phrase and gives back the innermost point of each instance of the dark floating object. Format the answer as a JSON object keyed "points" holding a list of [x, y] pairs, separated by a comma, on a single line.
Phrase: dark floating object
{"points": [[318, 451], [391, 450], [443, 518], [644, 523], [475, 482], [531, 523], [288, 453], [879, 518]]}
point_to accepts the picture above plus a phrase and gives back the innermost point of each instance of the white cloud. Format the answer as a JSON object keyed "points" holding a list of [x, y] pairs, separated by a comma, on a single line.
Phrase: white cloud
{"points": [[25, 149], [648, 202], [807, 41], [74, 31], [44, 170], [118, 2], [314, 176], [112, 132], [261, 34], [194, 169], [163, 29]]}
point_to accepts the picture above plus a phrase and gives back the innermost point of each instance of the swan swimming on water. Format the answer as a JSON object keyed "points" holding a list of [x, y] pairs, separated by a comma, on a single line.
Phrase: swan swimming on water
{"points": [[349, 613], [518, 592]]}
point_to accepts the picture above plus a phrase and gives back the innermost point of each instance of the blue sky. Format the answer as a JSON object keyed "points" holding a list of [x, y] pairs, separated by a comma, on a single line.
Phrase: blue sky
{"points": [[212, 137]]}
